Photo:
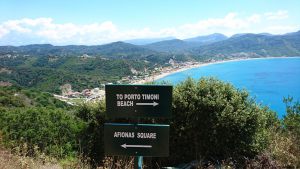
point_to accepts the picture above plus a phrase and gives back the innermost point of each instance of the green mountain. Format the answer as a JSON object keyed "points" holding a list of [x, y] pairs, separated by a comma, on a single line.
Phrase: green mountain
{"points": [[184, 46], [112, 50], [147, 40], [252, 45], [47, 67], [171, 46], [49, 73], [216, 37]]}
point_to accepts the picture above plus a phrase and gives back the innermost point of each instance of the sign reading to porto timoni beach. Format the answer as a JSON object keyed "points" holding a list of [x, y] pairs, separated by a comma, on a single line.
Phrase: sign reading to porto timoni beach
{"points": [[136, 139], [138, 101]]}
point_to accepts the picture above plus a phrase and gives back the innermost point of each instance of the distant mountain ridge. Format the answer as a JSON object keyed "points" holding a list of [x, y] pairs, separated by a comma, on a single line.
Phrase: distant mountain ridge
{"points": [[183, 46], [208, 38], [214, 45], [111, 50], [172, 46], [146, 41], [47, 67], [253, 45]]}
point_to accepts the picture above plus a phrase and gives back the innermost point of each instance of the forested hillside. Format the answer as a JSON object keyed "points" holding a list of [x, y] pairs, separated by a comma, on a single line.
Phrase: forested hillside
{"points": [[49, 73], [253, 45], [47, 67]]}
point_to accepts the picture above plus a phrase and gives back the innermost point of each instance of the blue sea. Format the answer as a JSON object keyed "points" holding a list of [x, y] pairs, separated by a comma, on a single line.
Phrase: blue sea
{"points": [[268, 80]]}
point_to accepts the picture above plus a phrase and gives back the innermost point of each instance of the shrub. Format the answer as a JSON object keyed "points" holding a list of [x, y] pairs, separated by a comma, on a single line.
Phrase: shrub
{"points": [[213, 121], [91, 138], [291, 121], [285, 143], [285, 149], [53, 131]]}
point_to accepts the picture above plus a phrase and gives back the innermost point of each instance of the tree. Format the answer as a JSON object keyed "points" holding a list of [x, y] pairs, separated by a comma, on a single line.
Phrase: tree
{"points": [[214, 121]]}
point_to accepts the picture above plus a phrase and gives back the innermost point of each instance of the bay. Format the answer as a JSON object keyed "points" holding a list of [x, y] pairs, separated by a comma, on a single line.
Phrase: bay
{"points": [[268, 80]]}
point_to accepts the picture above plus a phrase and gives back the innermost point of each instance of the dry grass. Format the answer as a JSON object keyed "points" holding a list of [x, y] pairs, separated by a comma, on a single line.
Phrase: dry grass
{"points": [[118, 163], [11, 161], [8, 160], [286, 150]]}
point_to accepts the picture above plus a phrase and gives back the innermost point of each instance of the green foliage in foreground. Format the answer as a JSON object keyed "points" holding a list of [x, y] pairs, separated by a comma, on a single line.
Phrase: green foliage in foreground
{"points": [[52, 130], [39, 120], [213, 121], [284, 148], [92, 143], [291, 120]]}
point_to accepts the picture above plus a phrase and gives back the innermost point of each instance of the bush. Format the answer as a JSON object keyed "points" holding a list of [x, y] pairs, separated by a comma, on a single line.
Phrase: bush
{"points": [[12, 97], [291, 121], [285, 144], [213, 121], [53, 131], [91, 139]]}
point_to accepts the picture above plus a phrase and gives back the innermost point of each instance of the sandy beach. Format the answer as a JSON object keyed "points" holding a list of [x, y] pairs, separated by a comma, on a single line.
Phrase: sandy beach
{"points": [[163, 74]]}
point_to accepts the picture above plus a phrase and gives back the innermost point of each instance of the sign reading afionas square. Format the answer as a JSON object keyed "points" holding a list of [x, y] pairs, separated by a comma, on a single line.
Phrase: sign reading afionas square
{"points": [[136, 139]]}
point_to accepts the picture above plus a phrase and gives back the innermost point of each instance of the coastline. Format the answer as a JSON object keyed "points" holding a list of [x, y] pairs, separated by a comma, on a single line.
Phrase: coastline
{"points": [[170, 71]]}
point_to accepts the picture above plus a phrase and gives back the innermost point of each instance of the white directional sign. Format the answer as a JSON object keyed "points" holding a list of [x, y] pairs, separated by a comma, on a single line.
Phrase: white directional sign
{"points": [[147, 104], [138, 101], [136, 139], [136, 146]]}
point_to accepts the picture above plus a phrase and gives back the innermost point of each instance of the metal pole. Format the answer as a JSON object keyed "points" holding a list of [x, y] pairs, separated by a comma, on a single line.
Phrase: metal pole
{"points": [[138, 162]]}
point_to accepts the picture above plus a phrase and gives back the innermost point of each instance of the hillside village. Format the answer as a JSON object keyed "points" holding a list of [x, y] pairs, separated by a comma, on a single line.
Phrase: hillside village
{"points": [[96, 94]]}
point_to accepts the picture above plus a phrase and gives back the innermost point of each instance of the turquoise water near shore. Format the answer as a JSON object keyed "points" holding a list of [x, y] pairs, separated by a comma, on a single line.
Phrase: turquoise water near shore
{"points": [[268, 80]]}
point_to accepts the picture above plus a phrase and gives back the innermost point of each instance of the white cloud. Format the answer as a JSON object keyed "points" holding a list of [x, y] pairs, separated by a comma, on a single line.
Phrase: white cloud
{"points": [[3, 31], [279, 15], [231, 22], [48, 31], [15, 25]]}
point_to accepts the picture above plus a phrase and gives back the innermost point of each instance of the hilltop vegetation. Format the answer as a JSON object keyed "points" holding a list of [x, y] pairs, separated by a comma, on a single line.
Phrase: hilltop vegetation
{"points": [[212, 123], [49, 73], [15, 97]]}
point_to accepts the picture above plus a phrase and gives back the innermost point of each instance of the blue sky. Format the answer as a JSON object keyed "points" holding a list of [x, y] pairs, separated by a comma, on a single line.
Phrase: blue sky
{"points": [[64, 22]]}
